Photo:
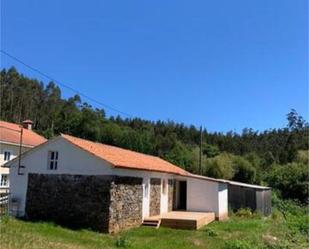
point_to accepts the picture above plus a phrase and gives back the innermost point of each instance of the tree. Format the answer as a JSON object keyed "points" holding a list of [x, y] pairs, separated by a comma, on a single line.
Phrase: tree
{"points": [[180, 155], [220, 166], [292, 180], [295, 121], [244, 171]]}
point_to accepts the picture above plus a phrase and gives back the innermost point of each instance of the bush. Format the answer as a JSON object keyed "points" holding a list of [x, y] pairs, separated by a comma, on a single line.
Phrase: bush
{"points": [[244, 213], [303, 157], [291, 180], [122, 242], [294, 213], [237, 244], [210, 232], [276, 215]]}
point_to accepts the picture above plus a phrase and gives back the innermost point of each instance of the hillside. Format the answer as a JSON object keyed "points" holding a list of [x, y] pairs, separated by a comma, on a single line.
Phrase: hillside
{"points": [[276, 157]]}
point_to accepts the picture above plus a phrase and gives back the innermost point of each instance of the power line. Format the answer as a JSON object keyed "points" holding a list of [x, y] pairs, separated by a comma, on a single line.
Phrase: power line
{"points": [[64, 85]]}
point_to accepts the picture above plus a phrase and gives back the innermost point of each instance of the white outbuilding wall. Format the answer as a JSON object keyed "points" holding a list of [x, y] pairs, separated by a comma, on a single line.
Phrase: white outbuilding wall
{"points": [[207, 196]]}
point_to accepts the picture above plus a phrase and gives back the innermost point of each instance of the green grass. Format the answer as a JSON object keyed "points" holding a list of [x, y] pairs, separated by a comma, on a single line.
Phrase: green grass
{"points": [[236, 233]]}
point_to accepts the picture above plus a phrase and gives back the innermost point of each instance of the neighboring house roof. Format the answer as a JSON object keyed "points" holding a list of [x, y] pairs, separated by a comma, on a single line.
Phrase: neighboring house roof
{"points": [[10, 133], [122, 158]]}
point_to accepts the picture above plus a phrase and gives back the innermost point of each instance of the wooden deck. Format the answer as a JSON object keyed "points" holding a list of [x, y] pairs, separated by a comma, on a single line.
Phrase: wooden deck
{"points": [[183, 219]]}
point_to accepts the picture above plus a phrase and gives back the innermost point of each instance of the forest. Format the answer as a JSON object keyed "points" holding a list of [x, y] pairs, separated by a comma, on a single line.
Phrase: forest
{"points": [[274, 157]]}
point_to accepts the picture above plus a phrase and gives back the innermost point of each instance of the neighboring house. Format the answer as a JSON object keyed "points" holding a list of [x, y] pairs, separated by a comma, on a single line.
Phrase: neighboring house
{"points": [[10, 135], [78, 182]]}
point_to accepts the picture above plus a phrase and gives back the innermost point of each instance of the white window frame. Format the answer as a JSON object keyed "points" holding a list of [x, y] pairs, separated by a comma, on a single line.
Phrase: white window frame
{"points": [[52, 163], [10, 155], [6, 181]]}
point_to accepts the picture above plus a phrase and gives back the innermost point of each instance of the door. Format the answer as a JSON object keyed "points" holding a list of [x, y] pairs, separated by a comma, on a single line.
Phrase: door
{"points": [[146, 196], [182, 195]]}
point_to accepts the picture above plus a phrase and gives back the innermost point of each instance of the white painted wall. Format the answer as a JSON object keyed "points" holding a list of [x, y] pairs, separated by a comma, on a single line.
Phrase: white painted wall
{"points": [[14, 149], [223, 200], [206, 196]]}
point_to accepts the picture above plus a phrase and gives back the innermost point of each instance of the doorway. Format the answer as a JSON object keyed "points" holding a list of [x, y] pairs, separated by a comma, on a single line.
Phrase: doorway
{"points": [[182, 195]]}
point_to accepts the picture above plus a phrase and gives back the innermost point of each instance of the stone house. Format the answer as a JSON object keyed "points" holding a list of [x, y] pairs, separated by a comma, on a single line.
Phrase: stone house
{"points": [[80, 183], [10, 138]]}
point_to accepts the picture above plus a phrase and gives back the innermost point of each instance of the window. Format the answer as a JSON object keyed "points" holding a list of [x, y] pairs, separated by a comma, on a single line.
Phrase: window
{"points": [[7, 155], [4, 181], [52, 160]]}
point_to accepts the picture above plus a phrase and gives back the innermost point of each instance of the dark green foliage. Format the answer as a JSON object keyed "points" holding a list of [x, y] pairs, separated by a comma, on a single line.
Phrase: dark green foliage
{"points": [[180, 155], [292, 180], [244, 171], [220, 166], [210, 232], [210, 150]]}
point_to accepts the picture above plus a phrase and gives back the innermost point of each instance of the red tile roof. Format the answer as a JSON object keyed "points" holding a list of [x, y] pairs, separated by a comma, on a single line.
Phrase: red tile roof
{"points": [[10, 133], [122, 158]]}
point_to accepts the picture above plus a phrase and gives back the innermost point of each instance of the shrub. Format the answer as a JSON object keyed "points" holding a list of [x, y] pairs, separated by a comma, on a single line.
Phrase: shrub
{"points": [[291, 180], [303, 157], [244, 213], [210, 232], [275, 215], [122, 242], [294, 213], [237, 244]]}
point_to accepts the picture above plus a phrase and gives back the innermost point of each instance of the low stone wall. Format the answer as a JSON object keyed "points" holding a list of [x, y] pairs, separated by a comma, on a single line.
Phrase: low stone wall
{"points": [[102, 203], [126, 203], [170, 194], [155, 196]]}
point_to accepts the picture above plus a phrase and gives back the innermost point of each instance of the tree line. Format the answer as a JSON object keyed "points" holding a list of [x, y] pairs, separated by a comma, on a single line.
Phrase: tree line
{"points": [[250, 156]]}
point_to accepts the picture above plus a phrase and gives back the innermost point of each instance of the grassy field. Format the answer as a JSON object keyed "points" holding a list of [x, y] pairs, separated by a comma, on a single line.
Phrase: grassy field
{"points": [[236, 233]]}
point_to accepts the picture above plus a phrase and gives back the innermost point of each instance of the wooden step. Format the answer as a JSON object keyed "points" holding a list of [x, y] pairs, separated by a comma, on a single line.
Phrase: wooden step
{"points": [[151, 223]]}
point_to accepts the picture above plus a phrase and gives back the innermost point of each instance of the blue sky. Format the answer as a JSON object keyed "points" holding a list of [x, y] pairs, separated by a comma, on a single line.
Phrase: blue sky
{"points": [[223, 64]]}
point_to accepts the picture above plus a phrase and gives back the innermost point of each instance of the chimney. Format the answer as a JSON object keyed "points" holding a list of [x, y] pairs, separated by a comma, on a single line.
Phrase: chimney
{"points": [[27, 124]]}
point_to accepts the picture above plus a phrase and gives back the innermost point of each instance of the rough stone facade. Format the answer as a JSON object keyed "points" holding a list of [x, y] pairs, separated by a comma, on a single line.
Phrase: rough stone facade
{"points": [[102, 203], [155, 196], [170, 194], [126, 203]]}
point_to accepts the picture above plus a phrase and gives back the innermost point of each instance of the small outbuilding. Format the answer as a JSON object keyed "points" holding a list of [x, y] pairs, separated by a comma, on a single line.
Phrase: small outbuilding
{"points": [[255, 197]]}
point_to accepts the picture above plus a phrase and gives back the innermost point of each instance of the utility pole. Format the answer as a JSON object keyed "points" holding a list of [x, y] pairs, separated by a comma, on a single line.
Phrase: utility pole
{"points": [[201, 142]]}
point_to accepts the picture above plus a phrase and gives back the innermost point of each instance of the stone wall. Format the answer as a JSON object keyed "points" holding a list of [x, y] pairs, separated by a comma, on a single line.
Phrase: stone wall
{"points": [[126, 203], [70, 200], [170, 194], [155, 196], [102, 203]]}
